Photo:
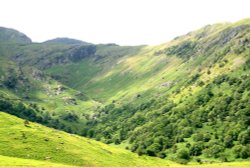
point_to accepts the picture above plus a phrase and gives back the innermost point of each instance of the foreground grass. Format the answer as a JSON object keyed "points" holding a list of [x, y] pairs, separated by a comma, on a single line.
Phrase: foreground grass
{"points": [[36, 142], [225, 164], [11, 161]]}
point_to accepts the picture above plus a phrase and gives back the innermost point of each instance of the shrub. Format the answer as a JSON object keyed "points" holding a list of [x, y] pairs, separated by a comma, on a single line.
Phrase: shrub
{"points": [[26, 123], [161, 155]]}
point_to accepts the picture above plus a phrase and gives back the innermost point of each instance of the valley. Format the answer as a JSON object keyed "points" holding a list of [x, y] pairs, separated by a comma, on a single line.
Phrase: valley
{"points": [[182, 103]]}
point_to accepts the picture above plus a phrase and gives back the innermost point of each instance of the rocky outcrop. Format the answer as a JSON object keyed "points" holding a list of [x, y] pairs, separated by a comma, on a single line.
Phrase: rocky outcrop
{"points": [[69, 100], [78, 53]]}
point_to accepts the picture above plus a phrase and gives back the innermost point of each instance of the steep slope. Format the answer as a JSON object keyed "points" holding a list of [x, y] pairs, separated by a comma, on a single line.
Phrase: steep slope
{"points": [[151, 67], [195, 105], [11, 35], [22, 139]]}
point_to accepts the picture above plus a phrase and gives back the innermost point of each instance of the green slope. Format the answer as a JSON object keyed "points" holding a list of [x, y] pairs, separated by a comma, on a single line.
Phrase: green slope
{"points": [[12, 162], [146, 69], [36, 142], [196, 104]]}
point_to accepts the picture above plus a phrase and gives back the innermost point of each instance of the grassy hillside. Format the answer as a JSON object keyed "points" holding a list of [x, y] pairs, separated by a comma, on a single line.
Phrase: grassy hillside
{"points": [[31, 141], [188, 108], [151, 68], [12, 162]]}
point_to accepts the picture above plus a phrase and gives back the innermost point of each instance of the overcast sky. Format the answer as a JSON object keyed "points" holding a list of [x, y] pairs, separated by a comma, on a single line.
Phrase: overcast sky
{"points": [[125, 22]]}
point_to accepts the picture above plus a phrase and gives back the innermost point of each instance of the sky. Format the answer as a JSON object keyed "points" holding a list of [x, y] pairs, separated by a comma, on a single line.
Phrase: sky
{"points": [[125, 22]]}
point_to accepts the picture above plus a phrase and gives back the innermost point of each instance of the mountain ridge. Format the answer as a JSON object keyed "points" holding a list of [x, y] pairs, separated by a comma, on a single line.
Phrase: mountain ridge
{"points": [[67, 41], [11, 35]]}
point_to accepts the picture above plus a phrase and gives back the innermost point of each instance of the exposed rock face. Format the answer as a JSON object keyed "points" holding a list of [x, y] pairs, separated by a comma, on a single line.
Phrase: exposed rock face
{"points": [[73, 54], [167, 84], [224, 37], [230, 33], [69, 100], [46, 58], [38, 75], [81, 96], [79, 53], [59, 89]]}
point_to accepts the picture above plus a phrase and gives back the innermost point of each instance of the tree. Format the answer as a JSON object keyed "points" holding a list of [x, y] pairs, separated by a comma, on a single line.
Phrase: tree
{"points": [[141, 150], [153, 149], [228, 141], [71, 117], [241, 151], [236, 150], [244, 137], [214, 151], [10, 82], [245, 152], [198, 137], [183, 154], [196, 149]]}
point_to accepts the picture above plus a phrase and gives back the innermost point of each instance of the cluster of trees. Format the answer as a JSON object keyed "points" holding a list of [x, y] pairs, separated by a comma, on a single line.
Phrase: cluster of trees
{"points": [[32, 113], [184, 50], [20, 110], [209, 123], [10, 82]]}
